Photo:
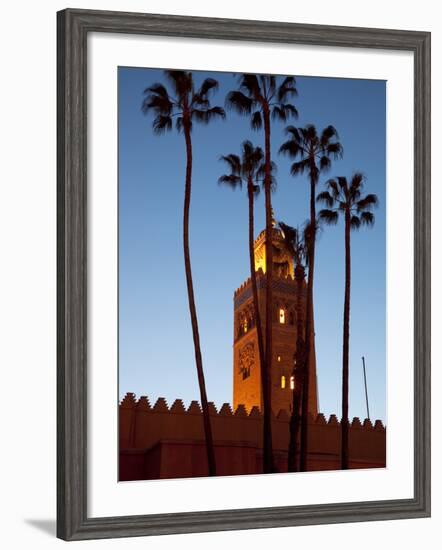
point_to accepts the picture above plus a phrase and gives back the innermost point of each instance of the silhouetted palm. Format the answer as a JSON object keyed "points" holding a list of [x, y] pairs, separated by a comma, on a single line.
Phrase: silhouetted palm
{"points": [[312, 153], [295, 241], [248, 169], [346, 199], [186, 105], [263, 97]]}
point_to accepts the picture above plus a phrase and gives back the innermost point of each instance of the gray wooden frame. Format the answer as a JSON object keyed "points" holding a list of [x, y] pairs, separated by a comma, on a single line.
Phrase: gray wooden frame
{"points": [[73, 28]]}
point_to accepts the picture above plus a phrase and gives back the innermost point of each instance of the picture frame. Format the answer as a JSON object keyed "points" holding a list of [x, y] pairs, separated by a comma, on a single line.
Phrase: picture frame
{"points": [[73, 27]]}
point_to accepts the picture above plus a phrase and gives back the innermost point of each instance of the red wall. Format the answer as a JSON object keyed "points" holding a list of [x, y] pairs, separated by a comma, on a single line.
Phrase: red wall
{"points": [[162, 442]]}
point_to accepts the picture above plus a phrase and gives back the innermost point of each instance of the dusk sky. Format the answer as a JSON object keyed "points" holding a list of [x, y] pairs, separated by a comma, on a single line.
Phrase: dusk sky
{"points": [[156, 354]]}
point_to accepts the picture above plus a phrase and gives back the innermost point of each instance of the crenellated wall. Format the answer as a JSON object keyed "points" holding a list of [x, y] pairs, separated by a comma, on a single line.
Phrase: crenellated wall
{"points": [[168, 442]]}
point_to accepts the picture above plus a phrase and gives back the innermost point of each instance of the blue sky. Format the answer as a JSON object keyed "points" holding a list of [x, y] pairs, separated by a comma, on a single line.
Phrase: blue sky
{"points": [[156, 356]]}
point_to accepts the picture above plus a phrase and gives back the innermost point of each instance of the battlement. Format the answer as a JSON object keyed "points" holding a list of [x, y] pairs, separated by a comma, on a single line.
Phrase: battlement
{"points": [[260, 276], [248, 282], [129, 402]]}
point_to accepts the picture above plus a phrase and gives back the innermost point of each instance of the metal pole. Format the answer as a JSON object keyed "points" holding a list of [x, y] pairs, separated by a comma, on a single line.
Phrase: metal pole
{"points": [[365, 384]]}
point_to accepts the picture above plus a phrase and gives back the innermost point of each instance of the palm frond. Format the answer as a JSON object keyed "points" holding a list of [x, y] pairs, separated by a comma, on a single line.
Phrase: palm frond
{"points": [[249, 84], [367, 218], [239, 102], [300, 167], [233, 162], [157, 89], [354, 195], [295, 241], [158, 103], [267, 86], [335, 150], [333, 187], [294, 133], [182, 82], [230, 180], [209, 85], [287, 88], [368, 202], [291, 148], [324, 164], [256, 120], [325, 198], [253, 164], [327, 134], [329, 217], [288, 232], [199, 100], [355, 222], [247, 149], [343, 185], [310, 133], [283, 111], [162, 124], [206, 115], [357, 180]]}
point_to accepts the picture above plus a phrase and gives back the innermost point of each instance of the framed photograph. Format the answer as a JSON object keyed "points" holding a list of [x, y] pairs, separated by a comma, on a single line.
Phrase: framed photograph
{"points": [[243, 274]]}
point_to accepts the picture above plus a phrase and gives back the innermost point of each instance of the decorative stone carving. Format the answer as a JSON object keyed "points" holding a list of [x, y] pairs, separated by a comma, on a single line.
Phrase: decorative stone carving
{"points": [[246, 360]]}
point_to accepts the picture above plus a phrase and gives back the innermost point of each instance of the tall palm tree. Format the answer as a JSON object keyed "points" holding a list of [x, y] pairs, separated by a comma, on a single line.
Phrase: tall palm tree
{"points": [[346, 199], [264, 97], [312, 153], [295, 241], [249, 170], [185, 104]]}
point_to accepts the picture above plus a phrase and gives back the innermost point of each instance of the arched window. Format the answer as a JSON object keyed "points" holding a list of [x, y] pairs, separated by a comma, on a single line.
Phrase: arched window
{"points": [[281, 315], [246, 325], [292, 382], [283, 382]]}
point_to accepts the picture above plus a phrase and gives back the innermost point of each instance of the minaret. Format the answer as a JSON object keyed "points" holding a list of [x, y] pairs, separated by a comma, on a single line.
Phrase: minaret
{"points": [[246, 368]]}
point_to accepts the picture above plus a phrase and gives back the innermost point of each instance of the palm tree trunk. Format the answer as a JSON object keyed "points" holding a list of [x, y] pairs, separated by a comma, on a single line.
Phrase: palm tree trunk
{"points": [[298, 374], [253, 278], [267, 394], [308, 328], [345, 348], [192, 308]]}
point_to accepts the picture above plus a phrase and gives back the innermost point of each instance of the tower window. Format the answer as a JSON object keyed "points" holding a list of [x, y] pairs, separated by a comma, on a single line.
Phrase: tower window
{"points": [[246, 326], [292, 382], [282, 382], [279, 358], [282, 315]]}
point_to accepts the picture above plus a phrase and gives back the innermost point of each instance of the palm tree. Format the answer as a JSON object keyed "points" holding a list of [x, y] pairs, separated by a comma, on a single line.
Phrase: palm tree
{"points": [[295, 241], [312, 154], [248, 169], [263, 98], [186, 105], [346, 198]]}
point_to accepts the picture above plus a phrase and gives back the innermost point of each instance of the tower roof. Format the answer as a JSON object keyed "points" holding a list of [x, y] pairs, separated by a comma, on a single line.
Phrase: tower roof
{"points": [[282, 258]]}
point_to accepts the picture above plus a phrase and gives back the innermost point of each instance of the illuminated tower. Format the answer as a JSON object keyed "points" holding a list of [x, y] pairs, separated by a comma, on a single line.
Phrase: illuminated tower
{"points": [[288, 310]]}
